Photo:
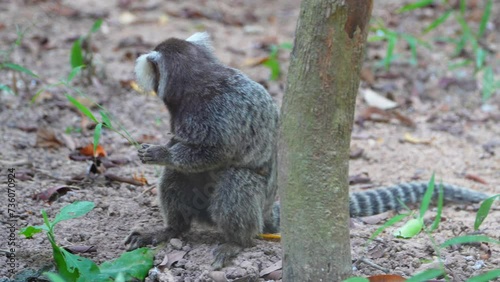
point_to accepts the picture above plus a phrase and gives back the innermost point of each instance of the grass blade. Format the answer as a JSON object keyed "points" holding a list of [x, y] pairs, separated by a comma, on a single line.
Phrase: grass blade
{"points": [[437, 22], [84, 110], [6, 88], [74, 72], [389, 223], [488, 276], [485, 18], [468, 239], [19, 68], [96, 26], [105, 119], [97, 136], [392, 39], [415, 5], [426, 275], [426, 200], [76, 58], [437, 220], [484, 210], [488, 83]]}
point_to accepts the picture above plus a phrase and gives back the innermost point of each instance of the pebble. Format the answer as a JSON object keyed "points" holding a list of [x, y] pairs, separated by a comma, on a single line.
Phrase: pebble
{"points": [[176, 243]]}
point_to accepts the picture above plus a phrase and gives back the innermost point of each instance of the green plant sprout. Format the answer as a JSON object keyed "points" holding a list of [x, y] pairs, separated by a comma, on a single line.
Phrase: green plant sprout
{"points": [[70, 267], [468, 42], [7, 64], [414, 226], [272, 62], [82, 54], [382, 33]]}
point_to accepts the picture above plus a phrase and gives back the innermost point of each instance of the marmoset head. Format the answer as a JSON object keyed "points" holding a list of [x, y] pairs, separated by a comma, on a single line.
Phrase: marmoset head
{"points": [[173, 58]]}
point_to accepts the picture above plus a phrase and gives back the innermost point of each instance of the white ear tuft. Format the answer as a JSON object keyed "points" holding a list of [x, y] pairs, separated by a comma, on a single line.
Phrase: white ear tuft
{"points": [[144, 70], [202, 39]]}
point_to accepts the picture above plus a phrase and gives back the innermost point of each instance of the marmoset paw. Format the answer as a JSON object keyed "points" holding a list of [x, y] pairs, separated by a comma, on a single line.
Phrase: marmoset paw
{"points": [[136, 240], [153, 154]]}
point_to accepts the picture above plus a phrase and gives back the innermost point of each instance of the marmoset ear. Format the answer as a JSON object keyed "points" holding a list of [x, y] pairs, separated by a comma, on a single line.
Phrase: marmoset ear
{"points": [[146, 70], [202, 39]]}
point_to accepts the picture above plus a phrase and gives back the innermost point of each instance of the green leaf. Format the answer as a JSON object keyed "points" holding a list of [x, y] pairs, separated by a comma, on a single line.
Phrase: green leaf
{"points": [[84, 110], [410, 229], [286, 46], [105, 119], [61, 265], [437, 220], [134, 264], [480, 56], [488, 83], [19, 68], [96, 26], [389, 223], [29, 231], [356, 279], [485, 18], [6, 88], [468, 239], [412, 41], [392, 39], [488, 276], [97, 136], [426, 275], [415, 5], [76, 58], [484, 210], [426, 200], [437, 22], [74, 210], [274, 66], [53, 277], [74, 72], [84, 267]]}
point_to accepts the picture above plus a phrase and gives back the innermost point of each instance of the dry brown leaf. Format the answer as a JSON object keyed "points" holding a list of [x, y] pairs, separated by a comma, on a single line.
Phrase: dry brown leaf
{"points": [[46, 138], [413, 140], [367, 75], [128, 180], [171, 258], [361, 178], [270, 237], [140, 177], [376, 219], [79, 249], [52, 194], [277, 266], [476, 178], [373, 99], [386, 278], [89, 151], [252, 62]]}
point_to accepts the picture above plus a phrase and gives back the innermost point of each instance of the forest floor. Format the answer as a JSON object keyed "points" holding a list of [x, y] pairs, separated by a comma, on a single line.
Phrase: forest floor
{"points": [[447, 129]]}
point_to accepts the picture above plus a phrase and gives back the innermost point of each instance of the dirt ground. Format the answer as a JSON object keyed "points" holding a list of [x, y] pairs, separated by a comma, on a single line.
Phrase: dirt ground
{"points": [[461, 133]]}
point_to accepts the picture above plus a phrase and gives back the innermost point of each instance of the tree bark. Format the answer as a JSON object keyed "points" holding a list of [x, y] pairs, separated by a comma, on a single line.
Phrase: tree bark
{"points": [[316, 123]]}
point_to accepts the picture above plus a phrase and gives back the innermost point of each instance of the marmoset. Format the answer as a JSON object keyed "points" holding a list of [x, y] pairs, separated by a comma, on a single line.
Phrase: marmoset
{"points": [[220, 165]]}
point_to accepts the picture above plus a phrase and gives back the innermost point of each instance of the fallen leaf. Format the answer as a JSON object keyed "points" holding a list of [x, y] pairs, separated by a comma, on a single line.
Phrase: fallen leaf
{"points": [[218, 276], [476, 178], [89, 151], [270, 237], [367, 75], [276, 266], [79, 249], [375, 219], [141, 178], [404, 119], [46, 138], [386, 278], [128, 180], [356, 153], [52, 194], [127, 18], [252, 62], [361, 178], [376, 100], [413, 140], [171, 258], [485, 251]]}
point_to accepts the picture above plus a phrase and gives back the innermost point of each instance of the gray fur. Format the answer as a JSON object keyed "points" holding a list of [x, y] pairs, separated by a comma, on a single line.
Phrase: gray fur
{"points": [[220, 165], [383, 199]]}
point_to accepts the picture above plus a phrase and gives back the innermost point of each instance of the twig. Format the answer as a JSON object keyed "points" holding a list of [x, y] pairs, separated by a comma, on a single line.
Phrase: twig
{"points": [[16, 163], [372, 264]]}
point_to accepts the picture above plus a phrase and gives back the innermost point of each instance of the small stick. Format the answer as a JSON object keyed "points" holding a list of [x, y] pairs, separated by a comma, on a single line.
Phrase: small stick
{"points": [[372, 264]]}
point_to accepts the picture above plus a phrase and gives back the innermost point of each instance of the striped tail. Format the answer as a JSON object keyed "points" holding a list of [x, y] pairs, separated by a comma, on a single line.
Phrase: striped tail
{"points": [[386, 198]]}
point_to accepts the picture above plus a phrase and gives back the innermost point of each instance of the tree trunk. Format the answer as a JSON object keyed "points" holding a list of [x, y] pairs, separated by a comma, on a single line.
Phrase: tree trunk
{"points": [[317, 117]]}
